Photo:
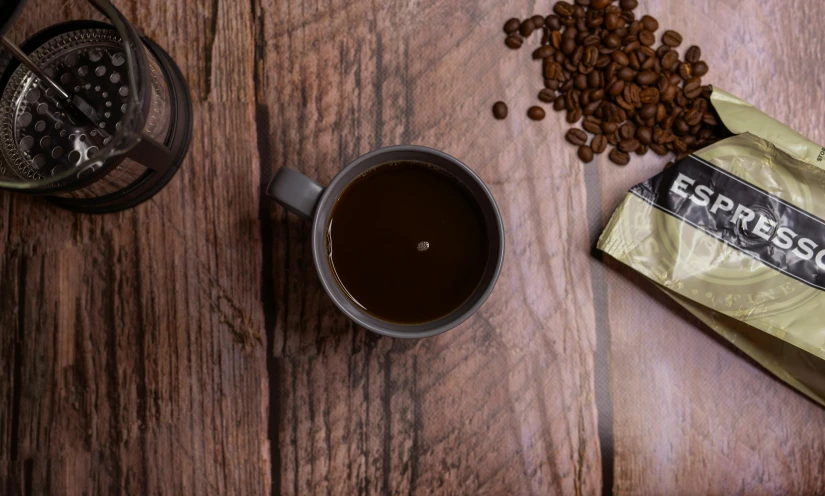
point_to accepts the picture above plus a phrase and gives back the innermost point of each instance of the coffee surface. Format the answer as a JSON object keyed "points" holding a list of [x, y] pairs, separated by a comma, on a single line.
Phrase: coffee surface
{"points": [[407, 242]]}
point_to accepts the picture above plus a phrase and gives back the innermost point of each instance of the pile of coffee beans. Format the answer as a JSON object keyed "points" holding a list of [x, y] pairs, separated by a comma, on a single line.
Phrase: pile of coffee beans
{"points": [[600, 67]]}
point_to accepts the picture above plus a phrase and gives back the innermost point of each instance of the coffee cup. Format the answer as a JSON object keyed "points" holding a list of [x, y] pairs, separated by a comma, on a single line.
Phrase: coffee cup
{"points": [[316, 203]]}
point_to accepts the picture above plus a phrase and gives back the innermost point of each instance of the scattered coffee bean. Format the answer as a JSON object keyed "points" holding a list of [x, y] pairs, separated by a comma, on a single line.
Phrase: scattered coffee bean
{"points": [[629, 145], [538, 21], [576, 137], [543, 52], [647, 38], [700, 69], [693, 54], [600, 4], [672, 38], [535, 113], [592, 125], [513, 41], [599, 143], [500, 110], [547, 96], [585, 153], [619, 157], [511, 26], [649, 23]]}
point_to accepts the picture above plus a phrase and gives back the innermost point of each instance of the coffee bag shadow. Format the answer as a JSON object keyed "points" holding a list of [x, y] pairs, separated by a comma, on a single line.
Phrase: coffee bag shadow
{"points": [[735, 234]]}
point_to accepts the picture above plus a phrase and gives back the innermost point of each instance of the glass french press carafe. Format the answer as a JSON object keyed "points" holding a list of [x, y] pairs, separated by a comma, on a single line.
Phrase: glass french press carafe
{"points": [[93, 115]]}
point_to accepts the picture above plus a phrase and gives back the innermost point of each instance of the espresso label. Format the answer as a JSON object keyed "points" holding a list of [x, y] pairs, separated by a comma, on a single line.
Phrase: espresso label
{"points": [[743, 216]]}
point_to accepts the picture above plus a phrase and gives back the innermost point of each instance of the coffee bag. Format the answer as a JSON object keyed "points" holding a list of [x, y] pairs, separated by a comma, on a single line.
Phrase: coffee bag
{"points": [[735, 234]]}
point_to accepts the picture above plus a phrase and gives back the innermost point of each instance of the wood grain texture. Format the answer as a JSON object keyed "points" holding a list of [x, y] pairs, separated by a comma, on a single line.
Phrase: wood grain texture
{"points": [[186, 347]]}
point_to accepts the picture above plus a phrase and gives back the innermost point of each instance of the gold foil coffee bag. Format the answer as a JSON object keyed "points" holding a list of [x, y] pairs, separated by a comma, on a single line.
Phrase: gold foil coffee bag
{"points": [[735, 234]]}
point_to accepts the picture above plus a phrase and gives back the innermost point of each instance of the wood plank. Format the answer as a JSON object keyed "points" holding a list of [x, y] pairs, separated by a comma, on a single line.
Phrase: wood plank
{"points": [[134, 341], [504, 403]]}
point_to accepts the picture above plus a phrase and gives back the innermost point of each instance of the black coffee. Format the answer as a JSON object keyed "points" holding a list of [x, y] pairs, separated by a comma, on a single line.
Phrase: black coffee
{"points": [[407, 242]]}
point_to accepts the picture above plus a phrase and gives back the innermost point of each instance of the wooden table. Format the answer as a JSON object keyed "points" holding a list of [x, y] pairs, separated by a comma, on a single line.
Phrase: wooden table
{"points": [[186, 347]]}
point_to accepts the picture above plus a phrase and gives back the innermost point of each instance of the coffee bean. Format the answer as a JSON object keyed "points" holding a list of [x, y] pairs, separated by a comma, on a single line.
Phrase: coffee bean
{"points": [[555, 40], [591, 108], [535, 113], [650, 23], [661, 112], [633, 61], [631, 47], [574, 115], [619, 157], [613, 22], [628, 4], [500, 110], [526, 28], [647, 38], [629, 145], [680, 99], [628, 16], [648, 111], [649, 95], [670, 59], [578, 12], [685, 70], [613, 139], [649, 64], [612, 40], [580, 82], [693, 54], [658, 149], [647, 78], [538, 21], [599, 143], [672, 38], [547, 96], [552, 22], [710, 119], [552, 70], [566, 85], [513, 41], [551, 84], [616, 88], [644, 134], [543, 52], [680, 146], [626, 74], [609, 127], [693, 88], [585, 153], [576, 137], [568, 46], [620, 58], [512, 25], [592, 125], [680, 126], [693, 117], [558, 105], [675, 79], [594, 79], [591, 55], [563, 9], [700, 69], [597, 95], [632, 94], [600, 4], [627, 130]]}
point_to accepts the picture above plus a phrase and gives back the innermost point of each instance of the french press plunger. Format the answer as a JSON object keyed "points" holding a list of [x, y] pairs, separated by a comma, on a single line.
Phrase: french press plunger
{"points": [[93, 115]]}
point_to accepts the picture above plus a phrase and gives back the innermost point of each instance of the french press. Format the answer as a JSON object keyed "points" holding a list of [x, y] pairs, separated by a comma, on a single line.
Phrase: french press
{"points": [[93, 115]]}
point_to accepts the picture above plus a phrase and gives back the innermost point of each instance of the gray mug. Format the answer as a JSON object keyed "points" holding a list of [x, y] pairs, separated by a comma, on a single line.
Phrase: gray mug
{"points": [[310, 200]]}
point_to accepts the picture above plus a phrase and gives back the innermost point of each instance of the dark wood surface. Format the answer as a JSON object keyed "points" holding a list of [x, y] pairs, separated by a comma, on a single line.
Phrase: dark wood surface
{"points": [[186, 347]]}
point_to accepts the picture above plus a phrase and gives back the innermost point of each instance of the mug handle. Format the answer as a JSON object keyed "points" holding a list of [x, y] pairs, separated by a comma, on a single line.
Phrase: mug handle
{"points": [[298, 193]]}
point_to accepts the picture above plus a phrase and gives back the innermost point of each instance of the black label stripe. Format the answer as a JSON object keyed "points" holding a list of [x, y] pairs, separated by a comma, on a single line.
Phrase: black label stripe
{"points": [[676, 191]]}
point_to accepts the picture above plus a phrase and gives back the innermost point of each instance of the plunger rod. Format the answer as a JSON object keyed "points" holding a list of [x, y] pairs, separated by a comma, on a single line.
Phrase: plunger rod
{"points": [[73, 103], [22, 57]]}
